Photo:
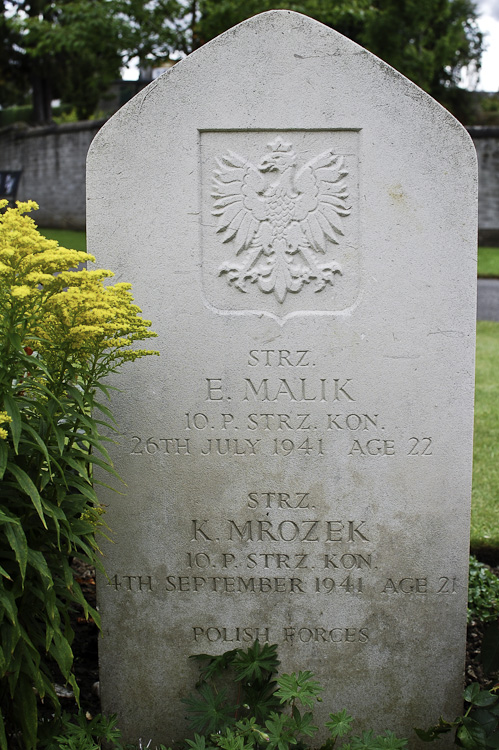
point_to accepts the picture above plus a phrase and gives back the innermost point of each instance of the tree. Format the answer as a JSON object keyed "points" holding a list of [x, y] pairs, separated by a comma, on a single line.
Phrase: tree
{"points": [[11, 72], [429, 41], [73, 49], [70, 49], [154, 30]]}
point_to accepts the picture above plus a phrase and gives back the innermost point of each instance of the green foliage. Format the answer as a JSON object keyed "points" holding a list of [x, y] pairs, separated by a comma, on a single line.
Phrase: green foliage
{"points": [[71, 49], [261, 710], [81, 733], [483, 605], [213, 708], [61, 333], [302, 688], [483, 592], [74, 49], [477, 728]]}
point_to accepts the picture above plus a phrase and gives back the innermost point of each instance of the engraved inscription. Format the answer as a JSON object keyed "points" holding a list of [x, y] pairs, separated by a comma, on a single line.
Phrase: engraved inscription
{"points": [[278, 216], [290, 634], [289, 552], [284, 406]]}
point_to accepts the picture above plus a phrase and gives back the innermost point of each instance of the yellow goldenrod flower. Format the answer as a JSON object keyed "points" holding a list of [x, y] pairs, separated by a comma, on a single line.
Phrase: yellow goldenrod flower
{"points": [[4, 419]]}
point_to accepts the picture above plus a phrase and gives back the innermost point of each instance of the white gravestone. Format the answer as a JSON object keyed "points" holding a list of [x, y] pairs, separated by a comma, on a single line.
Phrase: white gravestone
{"points": [[299, 222]]}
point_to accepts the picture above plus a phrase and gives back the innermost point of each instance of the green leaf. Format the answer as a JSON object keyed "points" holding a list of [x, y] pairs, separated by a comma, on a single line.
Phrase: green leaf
{"points": [[17, 541], [260, 697], [208, 710], [389, 741], [486, 719], [280, 732], [303, 724], [493, 740], [60, 436], [76, 688], [104, 410], [15, 340], [86, 489], [3, 737], [302, 687], [104, 465], [4, 456], [339, 724], [485, 698], [37, 561], [26, 484], [470, 734], [61, 651], [198, 743], [27, 713], [4, 573], [216, 664], [76, 395], [12, 410], [34, 434], [257, 662], [433, 733], [476, 696]]}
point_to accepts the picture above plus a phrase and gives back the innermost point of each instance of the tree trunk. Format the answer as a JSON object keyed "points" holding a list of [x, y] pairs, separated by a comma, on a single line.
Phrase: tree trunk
{"points": [[42, 98]]}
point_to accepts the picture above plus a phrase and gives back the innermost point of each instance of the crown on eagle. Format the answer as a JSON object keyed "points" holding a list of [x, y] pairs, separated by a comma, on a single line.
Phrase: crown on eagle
{"points": [[278, 144]]}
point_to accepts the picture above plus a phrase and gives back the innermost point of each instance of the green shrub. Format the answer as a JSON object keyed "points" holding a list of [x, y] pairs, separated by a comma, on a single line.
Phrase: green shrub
{"points": [[483, 592], [61, 333], [263, 710], [81, 733]]}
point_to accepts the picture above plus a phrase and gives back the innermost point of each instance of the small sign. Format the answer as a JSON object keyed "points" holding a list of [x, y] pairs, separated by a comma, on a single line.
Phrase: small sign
{"points": [[9, 183]]}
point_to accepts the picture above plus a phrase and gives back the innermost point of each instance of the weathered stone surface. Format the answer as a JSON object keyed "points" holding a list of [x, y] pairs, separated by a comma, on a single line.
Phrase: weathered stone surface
{"points": [[298, 460]]}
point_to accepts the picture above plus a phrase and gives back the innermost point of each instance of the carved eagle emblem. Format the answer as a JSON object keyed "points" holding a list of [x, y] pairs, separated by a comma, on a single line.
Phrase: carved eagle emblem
{"points": [[280, 217]]}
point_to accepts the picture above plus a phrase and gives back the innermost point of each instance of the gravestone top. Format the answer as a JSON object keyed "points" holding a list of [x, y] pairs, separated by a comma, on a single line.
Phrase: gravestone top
{"points": [[299, 222]]}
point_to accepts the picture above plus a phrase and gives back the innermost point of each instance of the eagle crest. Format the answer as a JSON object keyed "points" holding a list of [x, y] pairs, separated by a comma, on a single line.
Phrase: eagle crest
{"points": [[280, 217]]}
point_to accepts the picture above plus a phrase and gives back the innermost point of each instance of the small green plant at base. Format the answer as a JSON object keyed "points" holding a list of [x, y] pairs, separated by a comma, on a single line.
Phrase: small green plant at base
{"points": [[263, 710], [81, 733], [477, 728], [483, 605], [483, 592]]}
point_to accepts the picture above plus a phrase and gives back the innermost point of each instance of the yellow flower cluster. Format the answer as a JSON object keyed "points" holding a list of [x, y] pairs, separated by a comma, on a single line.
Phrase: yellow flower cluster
{"points": [[71, 313], [26, 258], [4, 419]]}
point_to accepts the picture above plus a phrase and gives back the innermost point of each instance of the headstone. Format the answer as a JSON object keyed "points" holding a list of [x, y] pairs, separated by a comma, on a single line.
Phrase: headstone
{"points": [[299, 222]]}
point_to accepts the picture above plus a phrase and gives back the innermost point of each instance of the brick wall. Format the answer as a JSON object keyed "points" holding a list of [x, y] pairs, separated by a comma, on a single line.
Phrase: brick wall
{"points": [[53, 162], [486, 140]]}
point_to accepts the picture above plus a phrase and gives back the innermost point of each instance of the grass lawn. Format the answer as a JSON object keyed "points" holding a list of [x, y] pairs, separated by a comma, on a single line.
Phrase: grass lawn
{"points": [[66, 238], [488, 261], [485, 505]]}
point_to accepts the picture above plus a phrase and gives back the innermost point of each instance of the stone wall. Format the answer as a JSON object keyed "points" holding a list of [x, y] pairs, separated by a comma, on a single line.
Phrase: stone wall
{"points": [[486, 140], [53, 162]]}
